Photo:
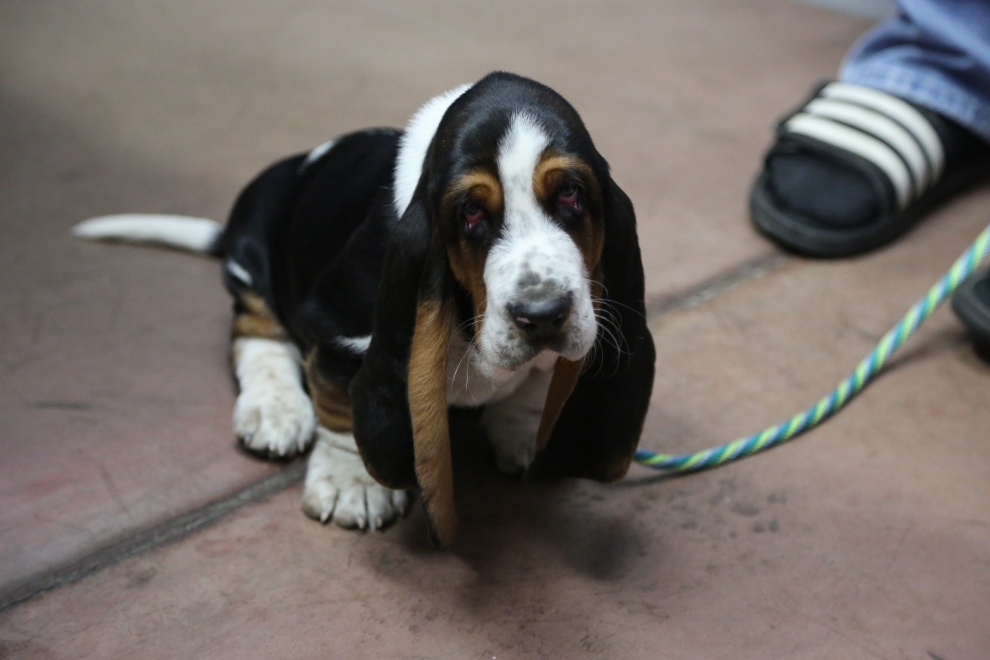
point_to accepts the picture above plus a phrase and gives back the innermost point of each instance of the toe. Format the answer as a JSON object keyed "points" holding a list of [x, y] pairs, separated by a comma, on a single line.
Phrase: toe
{"points": [[245, 422], [306, 431], [400, 501], [381, 512], [319, 499], [351, 510]]}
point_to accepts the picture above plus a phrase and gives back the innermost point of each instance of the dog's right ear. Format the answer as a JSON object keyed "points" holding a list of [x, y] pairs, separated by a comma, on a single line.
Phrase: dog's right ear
{"points": [[382, 425], [400, 392]]}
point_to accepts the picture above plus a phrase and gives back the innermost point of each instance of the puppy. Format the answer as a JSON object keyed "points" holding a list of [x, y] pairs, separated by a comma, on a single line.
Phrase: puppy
{"points": [[482, 257]]}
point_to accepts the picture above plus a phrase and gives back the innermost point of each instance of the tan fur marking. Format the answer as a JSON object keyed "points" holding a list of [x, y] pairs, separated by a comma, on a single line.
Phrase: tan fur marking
{"points": [[468, 267], [548, 175], [466, 261], [592, 242], [481, 186], [256, 321], [428, 410], [332, 402], [565, 377], [553, 167]]}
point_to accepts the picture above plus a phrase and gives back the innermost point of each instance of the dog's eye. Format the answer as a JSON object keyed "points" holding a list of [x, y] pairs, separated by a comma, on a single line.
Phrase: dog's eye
{"points": [[473, 216], [569, 195]]}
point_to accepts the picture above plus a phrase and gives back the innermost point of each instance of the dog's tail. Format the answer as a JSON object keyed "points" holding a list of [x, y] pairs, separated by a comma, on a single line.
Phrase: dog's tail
{"points": [[178, 231]]}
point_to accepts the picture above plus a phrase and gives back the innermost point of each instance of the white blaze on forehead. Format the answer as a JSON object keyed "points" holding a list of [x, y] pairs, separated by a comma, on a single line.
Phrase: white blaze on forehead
{"points": [[414, 143], [532, 256], [518, 154]]}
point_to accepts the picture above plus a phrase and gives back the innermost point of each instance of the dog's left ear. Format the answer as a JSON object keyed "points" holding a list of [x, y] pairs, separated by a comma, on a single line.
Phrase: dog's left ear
{"points": [[600, 404], [400, 392]]}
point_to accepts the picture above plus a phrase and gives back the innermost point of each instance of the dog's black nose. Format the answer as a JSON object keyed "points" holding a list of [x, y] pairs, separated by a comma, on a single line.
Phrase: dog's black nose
{"points": [[541, 319]]}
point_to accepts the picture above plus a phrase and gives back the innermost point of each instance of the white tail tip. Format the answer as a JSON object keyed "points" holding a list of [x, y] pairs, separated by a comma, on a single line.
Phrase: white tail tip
{"points": [[178, 231]]}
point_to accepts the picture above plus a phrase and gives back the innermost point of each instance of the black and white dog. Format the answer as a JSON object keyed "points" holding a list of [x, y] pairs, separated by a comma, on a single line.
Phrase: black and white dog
{"points": [[483, 257]]}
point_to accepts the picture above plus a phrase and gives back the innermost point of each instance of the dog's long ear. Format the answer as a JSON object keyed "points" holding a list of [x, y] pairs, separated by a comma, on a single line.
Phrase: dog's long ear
{"points": [[428, 400], [599, 424], [400, 392], [382, 427]]}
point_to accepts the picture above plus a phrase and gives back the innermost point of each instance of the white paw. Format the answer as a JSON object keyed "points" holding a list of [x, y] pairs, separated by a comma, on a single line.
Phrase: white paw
{"points": [[275, 421], [272, 415], [339, 488]]}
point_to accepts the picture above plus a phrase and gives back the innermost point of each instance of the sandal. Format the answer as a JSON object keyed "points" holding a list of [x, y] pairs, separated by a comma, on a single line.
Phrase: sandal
{"points": [[971, 303], [854, 168]]}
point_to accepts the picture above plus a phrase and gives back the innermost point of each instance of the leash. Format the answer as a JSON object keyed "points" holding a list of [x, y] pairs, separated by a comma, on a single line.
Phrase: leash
{"points": [[841, 395]]}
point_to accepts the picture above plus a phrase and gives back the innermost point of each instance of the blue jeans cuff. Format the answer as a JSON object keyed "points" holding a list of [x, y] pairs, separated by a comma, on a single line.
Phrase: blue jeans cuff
{"points": [[929, 89]]}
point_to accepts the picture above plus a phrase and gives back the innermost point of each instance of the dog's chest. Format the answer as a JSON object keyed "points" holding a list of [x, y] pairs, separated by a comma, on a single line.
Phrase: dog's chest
{"points": [[467, 386]]}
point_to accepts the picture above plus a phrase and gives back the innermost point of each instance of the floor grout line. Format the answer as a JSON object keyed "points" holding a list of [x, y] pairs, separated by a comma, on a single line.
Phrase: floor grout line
{"points": [[148, 539], [720, 283], [177, 528]]}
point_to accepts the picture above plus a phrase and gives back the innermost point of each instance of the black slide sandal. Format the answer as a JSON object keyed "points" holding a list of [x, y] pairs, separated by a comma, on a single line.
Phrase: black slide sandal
{"points": [[971, 303], [894, 147]]}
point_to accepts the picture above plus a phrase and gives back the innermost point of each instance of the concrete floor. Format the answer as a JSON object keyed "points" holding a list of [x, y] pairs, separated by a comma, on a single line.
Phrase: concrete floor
{"points": [[867, 538]]}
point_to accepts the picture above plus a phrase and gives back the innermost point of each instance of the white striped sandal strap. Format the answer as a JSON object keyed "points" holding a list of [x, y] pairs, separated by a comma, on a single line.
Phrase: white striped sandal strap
{"points": [[879, 130]]}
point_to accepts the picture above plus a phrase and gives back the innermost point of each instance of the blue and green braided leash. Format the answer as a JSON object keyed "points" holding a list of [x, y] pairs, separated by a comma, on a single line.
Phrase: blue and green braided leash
{"points": [[841, 395]]}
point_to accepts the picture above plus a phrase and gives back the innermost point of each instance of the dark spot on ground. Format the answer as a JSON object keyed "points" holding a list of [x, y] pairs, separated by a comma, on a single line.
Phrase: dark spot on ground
{"points": [[745, 509]]}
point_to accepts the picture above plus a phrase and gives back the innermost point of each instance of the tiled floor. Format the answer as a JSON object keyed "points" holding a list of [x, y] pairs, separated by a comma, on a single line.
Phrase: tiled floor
{"points": [[868, 538]]}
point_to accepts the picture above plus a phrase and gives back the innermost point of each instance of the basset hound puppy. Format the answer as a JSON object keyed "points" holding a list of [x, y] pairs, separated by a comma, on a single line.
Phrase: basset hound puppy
{"points": [[482, 257]]}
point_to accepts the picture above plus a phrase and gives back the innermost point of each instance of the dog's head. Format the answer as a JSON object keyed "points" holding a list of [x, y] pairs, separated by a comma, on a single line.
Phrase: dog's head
{"points": [[512, 231], [511, 183]]}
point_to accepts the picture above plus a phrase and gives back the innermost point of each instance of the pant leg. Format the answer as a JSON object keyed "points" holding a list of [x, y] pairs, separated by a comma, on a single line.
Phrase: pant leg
{"points": [[935, 53]]}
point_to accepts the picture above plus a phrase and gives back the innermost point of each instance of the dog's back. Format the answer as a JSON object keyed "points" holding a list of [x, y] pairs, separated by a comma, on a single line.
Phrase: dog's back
{"points": [[308, 236]]}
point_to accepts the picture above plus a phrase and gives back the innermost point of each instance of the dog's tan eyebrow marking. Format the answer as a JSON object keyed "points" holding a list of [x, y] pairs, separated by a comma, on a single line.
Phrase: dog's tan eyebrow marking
{"points": [[548, 174], [466, 262], [481, 185], [552, 168]]}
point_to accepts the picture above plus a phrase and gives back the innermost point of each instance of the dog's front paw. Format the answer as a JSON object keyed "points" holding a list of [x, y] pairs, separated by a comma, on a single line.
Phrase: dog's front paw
{"points": [[339, 488], [275, 421]]}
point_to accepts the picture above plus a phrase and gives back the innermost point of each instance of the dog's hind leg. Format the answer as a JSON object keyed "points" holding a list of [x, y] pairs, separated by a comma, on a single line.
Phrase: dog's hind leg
{"points": [[338, 486], [273, 416]]}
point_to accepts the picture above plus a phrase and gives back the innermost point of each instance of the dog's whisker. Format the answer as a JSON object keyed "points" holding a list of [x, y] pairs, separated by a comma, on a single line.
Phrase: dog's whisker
{"points": [[607, 318], [467, 370], [614, 302]]}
